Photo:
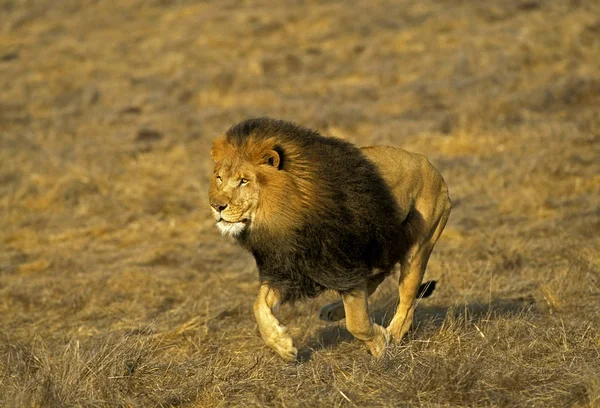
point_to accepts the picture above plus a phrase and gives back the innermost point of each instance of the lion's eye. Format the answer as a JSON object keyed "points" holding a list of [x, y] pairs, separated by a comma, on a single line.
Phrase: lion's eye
{"points": [[219, 179], [243, 182]]}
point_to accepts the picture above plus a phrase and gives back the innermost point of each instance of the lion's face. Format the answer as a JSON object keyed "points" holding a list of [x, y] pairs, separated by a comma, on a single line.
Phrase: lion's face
{"points": [[233, 195], [236, 184]]}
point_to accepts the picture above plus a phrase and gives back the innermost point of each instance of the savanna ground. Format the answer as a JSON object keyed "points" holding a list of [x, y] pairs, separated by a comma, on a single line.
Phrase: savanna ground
{"points": [[116, 288]]}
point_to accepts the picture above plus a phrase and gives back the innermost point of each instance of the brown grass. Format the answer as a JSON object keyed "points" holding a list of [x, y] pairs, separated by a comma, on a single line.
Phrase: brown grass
{"points": [[115, 287]]}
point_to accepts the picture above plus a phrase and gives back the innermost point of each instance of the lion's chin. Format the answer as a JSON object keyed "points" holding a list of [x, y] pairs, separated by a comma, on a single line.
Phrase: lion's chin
{"points": [[232, 229]]}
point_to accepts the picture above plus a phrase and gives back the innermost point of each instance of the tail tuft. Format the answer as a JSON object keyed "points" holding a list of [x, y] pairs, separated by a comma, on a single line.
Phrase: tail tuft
{"points": [[426, 289]]}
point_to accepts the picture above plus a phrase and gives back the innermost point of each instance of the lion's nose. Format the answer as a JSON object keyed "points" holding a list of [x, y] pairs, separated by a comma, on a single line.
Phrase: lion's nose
{"points": [[219, 206]]}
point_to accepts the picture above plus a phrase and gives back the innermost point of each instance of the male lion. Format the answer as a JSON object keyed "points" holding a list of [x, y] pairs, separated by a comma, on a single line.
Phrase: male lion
{"points": [[320, 214]]}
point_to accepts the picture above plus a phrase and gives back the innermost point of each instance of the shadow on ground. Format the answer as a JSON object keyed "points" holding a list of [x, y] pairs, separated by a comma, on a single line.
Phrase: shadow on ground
{"points": [[434, 316]]}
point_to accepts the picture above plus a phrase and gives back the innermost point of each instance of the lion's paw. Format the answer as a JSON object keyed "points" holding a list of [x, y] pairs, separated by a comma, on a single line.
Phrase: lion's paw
{"points": [[332, 312], [379, 343], [398, 328], [288, 354], [282, 343]]}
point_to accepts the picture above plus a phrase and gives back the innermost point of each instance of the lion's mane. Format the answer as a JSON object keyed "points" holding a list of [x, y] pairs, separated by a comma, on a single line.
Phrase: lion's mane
{"points": [[326, 218]]}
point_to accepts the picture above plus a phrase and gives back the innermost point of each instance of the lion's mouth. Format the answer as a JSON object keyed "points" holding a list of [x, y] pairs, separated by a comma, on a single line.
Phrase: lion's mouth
{"points": [[242, 221], [232, 228]]}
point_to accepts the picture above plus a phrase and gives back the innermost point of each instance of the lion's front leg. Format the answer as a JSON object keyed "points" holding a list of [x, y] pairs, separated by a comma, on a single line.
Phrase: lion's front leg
{"points": [[335, 311], [359, 323], [273, 333]]}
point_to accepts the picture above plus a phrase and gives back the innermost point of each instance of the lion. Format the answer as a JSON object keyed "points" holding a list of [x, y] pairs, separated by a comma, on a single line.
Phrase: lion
{"points": [[318, 213]]}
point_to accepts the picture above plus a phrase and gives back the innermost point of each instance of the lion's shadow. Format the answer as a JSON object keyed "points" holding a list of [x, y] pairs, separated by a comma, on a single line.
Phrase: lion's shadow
{"points": [[333, 335]]}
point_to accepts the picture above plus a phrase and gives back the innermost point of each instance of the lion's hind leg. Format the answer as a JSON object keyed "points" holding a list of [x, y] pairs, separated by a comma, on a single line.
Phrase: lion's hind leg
{"points": [[412, 271], [332, 312]]}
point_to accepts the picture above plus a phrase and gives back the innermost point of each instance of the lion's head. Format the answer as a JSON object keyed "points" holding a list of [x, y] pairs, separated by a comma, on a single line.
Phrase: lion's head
{"points": [[248, 187]]}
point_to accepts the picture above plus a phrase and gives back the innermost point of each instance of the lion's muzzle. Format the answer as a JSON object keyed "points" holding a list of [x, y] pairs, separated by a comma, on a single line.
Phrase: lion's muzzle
{"points": [[218, 206]]}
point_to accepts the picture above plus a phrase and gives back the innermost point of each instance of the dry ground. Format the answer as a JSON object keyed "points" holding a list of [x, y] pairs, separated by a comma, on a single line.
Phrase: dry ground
{"points": [[116, 288]]}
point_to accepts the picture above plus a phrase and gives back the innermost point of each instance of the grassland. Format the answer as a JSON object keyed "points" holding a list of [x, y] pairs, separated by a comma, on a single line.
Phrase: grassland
{"points": [[116, 288]]}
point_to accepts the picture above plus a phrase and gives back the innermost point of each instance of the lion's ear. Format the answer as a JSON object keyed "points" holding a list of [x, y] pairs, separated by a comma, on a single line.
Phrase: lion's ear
{"points": [[219, 148], [272, 158]]}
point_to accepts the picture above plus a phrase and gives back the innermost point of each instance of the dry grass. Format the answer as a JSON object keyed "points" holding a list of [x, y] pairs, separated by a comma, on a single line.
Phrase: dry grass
{"points": [[115, 287]]}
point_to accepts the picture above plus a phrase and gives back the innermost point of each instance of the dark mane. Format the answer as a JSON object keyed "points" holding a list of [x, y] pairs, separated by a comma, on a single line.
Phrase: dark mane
{"points": [[350, 222]]}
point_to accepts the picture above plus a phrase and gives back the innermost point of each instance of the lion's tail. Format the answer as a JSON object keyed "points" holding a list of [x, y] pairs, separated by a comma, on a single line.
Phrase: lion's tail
{"points": [[426, 289]]}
